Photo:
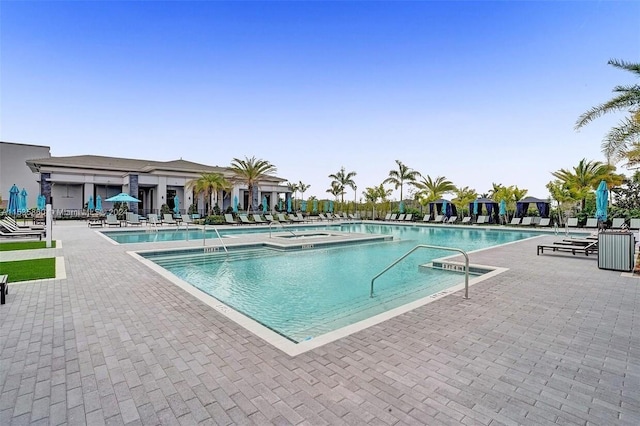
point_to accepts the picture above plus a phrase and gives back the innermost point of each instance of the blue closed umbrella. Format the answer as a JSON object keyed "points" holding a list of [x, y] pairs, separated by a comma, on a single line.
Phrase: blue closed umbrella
{"points": [[264, 204], [176, 204], [303, 206], [90, 205], [23, 201], [602, 197], [401, 207], [315, 206], [280, 204], [288, 205], [12, 206], [98, 203], [235, 204], [330, 206], [503, 208], [41, 202], [475, 207], [444, 207]]}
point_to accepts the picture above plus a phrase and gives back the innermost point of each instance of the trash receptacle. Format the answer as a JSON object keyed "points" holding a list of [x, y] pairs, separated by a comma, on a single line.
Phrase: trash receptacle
{"points": [[616, 251]]}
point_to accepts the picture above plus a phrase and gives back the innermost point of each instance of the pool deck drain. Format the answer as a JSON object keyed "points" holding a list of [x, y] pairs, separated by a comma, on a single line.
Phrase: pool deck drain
{"points": [[551, 340]]}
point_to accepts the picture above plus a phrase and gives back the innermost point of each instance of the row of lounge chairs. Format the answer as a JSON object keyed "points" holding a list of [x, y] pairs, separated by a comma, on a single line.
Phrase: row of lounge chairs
{"points": [[9, 228], [257, 219]]}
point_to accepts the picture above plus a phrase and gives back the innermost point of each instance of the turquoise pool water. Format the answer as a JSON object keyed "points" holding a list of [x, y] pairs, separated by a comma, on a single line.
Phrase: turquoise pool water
{"points": [[303, 294]]}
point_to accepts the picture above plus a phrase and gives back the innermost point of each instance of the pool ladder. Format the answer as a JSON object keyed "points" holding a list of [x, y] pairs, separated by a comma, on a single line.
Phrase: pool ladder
{"points": [[282, 226], [466, 265], [204, 237]]}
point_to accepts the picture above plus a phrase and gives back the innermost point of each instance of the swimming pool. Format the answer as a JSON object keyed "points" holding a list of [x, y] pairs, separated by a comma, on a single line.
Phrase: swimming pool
{"points": [[303, 294]]}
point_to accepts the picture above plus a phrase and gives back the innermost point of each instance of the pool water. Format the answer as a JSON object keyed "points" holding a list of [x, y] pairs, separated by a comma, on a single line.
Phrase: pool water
{"points": [[306, 293]]}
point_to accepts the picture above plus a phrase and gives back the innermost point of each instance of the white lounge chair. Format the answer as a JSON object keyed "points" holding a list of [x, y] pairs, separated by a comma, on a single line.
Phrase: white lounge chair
{"points": [[527, 221], [466, 220], [258, 219], [401, 217], [133, 219], [153, 219], [388, 216], [244, 219], [515, 221], [228, 218], [439, 218], [168, 219], [482, 220], [112, 220], [572, 222], [634, 223], [408, 217], [545, 221], [592, 222], [452, 219], [617, 223]]}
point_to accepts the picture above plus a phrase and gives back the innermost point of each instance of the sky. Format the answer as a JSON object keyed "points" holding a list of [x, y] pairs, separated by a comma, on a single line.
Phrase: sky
{"points": [[479, 92]]}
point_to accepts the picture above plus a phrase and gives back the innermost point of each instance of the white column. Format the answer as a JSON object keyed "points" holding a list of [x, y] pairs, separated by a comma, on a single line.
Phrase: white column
{"points": [[49, 225]]}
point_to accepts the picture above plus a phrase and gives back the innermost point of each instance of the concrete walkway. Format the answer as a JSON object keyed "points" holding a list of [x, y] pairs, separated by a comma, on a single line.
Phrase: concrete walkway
{"points": [[554, 340]]}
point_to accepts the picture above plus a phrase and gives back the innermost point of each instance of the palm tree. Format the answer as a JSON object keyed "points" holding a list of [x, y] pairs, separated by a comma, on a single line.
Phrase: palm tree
{"points": [[433, 189], [402, 175], [302, 187], [209, 184], [343, 179], [374, 194], [336, 189], [250, 172], [585, 178], [463, 197], [293, 188], [627, 99]]}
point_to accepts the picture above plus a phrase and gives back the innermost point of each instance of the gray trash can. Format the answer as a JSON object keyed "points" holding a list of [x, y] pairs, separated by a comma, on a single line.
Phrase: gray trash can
{"points": [[616, 250]]}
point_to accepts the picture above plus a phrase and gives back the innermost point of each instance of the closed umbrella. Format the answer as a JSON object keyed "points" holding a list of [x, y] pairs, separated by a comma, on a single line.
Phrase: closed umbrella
{"points": [[23, 200], [280, 204], [12, 206], [235, 204], [315, 206], [288, 205], [303, 206], [503, 208], [41, 202], [475, 207], [90, 205], [401, 207], [176, 204], [444, 207], [330, 206], [264, 204], [98, 203], [602, 196]]}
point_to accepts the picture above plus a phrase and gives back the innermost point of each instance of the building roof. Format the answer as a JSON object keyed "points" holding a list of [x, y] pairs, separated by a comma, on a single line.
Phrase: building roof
{"points": [[128, 165]]}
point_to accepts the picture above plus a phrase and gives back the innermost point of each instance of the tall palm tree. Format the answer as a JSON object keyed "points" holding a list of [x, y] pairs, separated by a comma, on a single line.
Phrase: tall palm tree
{"points": [[293, 188], [400, 176], [374, 194], [209, 184], [250, 172], [343, 179], [433, 189], [627, 99], [302, 187], [463, 197], [336, 190], [585, 178]]}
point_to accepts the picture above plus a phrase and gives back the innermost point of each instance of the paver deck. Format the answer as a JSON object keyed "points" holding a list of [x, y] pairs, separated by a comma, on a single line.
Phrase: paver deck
{"points": [[553, 340]]}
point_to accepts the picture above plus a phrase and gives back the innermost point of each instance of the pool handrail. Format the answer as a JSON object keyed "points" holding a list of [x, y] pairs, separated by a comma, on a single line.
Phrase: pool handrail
{"points": [[204, 237], [466, 265], [282, 226]]}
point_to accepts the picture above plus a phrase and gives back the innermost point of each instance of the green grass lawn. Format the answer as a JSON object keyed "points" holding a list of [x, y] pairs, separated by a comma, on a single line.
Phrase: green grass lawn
{"points": [[26, 270], [24, 245]]}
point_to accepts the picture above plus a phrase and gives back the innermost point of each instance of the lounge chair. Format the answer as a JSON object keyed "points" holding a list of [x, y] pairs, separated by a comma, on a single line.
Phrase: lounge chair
{"points": [[452, 219], [439, 218], [567, 246], [466, 220], [388, 216], [24, 227], [168, 219], [112, 220], [28, 234], [133, 219], [409, 217], [544, 222], [258, 219], [269, 218], [634, 223], [245, 219], [592, 222], [352, 216], [153, 219], [322, 216], [299, 218], [482, 220], [426, 218], [572, 222], [617, 223], [283, 218], [401, 217], [527, 221], [393, 217], [228, 218], [186, 219], [515, 221]]}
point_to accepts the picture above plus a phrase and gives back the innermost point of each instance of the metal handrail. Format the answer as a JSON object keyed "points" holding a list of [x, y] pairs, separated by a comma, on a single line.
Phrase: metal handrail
{"points": [[282, 226], [466, 265], [204, 237]]}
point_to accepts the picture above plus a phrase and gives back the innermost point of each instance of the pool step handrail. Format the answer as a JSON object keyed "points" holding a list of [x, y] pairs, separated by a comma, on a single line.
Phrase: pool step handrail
{"points": [[283, 227], [398, 260], [204, 237]]}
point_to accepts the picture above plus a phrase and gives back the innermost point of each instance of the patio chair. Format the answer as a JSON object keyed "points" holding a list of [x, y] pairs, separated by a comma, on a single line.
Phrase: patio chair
{"points": [[28, 234], [9, 229], [482, 220], [299, 218], [133, 219], [153, 220], [258, 219], [187, 220], [112, 220], [168, 219], [426, 218], [401, 217], [269, 218], [591, 246], [617, 223], [634, 224], [544, 222], [515, 221], [466, 220], [387, 216], [527, 221], [283, 218], [452, 219], [592, 222], [393, 217], [245, 219], [572, 222], [408, 217], [228, 218], [439, 218], [24, 227]]}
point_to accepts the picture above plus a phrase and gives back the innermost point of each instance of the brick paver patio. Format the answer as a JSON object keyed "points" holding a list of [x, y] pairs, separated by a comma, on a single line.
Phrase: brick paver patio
{"points": [[554, 340]]}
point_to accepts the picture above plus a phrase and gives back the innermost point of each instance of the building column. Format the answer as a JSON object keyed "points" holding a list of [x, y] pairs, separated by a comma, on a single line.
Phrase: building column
{"points": [[133, 191], [89, 189], [45, 187]]}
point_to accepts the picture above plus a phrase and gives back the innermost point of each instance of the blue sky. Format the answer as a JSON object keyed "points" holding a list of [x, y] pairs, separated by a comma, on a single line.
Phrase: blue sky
{"points": [[478, 92]]}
